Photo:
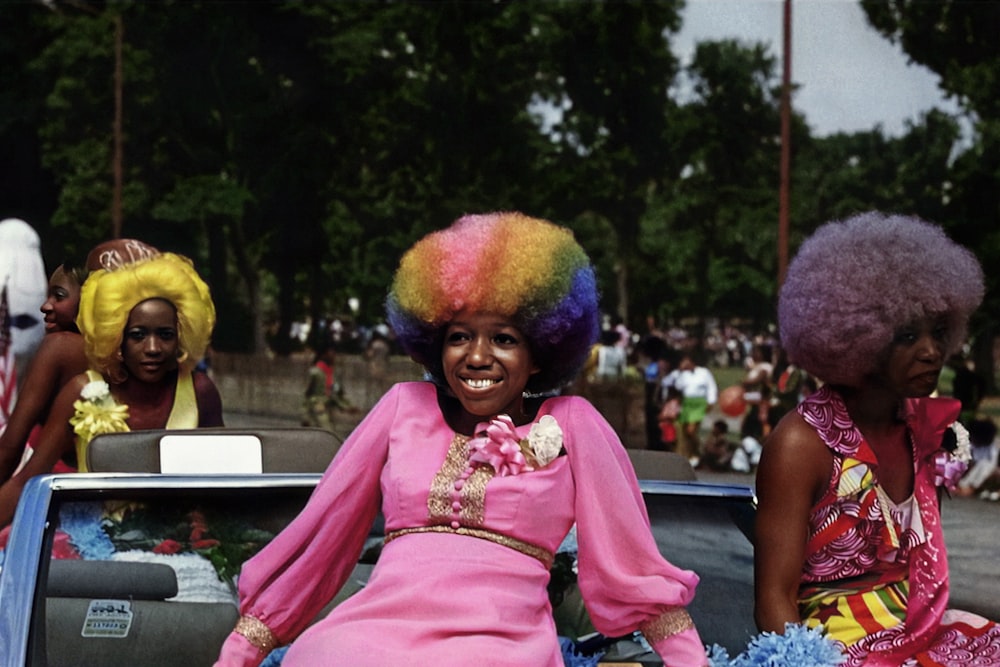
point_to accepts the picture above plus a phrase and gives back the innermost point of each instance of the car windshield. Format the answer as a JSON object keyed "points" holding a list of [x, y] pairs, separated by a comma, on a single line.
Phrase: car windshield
{"points": [[148, 575]]}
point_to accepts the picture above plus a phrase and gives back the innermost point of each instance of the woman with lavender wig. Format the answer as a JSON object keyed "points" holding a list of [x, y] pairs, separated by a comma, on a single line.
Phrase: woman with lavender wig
{"points": [[848, 527], [479, 474]]}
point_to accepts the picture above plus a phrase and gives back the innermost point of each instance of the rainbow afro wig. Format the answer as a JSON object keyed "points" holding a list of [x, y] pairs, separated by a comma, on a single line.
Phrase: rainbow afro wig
{"points": [[854, 283], [108, 297], [527, 269]]}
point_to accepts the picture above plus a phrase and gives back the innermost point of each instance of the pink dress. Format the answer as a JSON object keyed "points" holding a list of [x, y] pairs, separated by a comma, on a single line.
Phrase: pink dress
{"points": [[476, 595], [876, 572]]}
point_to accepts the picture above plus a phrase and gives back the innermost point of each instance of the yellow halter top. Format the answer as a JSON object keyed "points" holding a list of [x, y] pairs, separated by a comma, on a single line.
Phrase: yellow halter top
{"points": [[183, 414]]}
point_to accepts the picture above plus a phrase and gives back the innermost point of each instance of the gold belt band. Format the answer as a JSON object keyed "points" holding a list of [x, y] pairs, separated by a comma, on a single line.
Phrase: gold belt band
{"points": [[545, 556]]}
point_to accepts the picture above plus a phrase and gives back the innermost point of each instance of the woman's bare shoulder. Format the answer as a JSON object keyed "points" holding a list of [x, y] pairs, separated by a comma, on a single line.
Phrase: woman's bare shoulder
{"points": [[58, 358], [794, 454], [63, 349]]}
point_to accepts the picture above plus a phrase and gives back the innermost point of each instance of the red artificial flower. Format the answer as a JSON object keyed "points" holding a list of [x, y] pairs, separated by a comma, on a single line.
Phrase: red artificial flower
{"points": [[205, 544], [167, 547]]}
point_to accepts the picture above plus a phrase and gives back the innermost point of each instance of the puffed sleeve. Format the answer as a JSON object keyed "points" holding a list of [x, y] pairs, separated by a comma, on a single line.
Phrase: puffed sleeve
{"points": [[289, 581], [625, 581]]}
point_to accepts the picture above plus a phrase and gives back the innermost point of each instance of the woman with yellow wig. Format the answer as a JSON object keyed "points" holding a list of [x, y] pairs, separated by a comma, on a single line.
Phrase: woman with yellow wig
{"points": [[144, 325]]}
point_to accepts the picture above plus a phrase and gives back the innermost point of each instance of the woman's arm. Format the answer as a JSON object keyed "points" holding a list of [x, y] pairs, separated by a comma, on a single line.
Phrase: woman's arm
{"points": [[56, 440], [209, 401], [59, 357], [625, 582], [795, 468]]}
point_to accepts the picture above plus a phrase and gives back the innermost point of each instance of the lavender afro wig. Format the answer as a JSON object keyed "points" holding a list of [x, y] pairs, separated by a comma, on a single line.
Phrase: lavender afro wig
{"points": [[505, 263], [855, 282]]}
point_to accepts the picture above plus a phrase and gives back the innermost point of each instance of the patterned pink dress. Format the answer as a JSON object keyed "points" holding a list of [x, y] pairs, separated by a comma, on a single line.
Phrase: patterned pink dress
{"points": [[463, 579], [876, 572]]}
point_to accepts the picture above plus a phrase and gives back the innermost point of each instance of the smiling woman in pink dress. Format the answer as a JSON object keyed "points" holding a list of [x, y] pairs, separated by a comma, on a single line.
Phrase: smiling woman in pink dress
{"points": [[480, 473], [848, 531]]}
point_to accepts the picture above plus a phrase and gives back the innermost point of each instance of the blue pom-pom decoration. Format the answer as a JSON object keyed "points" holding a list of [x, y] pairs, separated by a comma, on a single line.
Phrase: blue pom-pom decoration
{"points": [[572, 658], [82, 523], [799, 646], [275, 657]]}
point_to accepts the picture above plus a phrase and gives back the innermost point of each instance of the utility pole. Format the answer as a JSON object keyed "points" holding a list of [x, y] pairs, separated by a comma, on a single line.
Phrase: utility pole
{"points": [[118, 155], [786, 138]]}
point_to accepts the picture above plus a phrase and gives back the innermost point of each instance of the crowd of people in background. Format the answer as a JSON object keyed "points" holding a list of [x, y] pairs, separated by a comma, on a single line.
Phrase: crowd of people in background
{"points": [[671, 360], [675, 367], [722, 428]]}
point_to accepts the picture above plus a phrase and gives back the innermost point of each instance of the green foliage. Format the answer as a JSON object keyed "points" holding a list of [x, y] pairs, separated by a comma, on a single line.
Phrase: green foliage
{"points": [[956, 39], [295, 150]]}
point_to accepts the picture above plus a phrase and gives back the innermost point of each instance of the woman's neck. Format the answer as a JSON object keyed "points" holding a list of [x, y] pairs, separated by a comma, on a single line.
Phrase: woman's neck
{"points": [[134, 392], [464, 422], [873, 408]]}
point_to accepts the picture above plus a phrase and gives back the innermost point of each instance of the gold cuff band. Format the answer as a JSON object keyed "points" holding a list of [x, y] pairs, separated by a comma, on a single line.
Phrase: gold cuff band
{"points": [[667, 624], [545, 556], [256, 633]]}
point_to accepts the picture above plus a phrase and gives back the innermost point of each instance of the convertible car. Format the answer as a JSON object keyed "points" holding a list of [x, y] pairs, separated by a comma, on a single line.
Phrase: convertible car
{"points": [[137, 564]]}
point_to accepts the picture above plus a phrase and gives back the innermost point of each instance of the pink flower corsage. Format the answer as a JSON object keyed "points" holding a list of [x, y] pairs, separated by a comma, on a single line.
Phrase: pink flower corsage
{"points": [[952, 460], [499, 446]]}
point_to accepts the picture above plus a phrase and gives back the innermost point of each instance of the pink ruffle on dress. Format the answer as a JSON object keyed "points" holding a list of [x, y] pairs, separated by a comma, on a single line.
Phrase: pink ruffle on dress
{"points": [[476, 595]]}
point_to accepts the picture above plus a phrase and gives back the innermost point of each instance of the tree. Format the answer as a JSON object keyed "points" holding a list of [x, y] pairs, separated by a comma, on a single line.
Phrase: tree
{"points": [[608, 69], [957, 40], [713, 234]]}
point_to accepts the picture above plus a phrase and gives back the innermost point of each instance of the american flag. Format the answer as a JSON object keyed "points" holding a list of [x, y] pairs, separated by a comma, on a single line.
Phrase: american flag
{"points": [[8, 373]]}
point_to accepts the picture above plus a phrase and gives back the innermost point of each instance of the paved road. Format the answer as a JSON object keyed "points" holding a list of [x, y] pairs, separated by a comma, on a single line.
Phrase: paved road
{"points": [[972, 532]]}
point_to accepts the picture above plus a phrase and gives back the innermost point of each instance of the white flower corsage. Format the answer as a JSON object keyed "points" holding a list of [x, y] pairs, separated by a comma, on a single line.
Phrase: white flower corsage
{"points": [[953, 459], [97, 412], [499, 446], [545, 440]]}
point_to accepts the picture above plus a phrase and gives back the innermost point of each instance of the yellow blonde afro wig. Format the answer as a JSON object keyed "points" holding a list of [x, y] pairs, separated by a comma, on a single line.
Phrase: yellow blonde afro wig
{"points": [[108, 297]]}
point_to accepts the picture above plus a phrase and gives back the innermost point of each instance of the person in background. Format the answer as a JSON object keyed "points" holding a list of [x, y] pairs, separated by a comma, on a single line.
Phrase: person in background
{"points": [[667, 418], [144, 325], [758, 393], [480, 474], [611, 358], [848, 529], [23, 278], [654, 351], [982, 477], [788, 386], [324, 393], [699, 393], [57, 359], [60, 356], [718, 449], [967, 386]]}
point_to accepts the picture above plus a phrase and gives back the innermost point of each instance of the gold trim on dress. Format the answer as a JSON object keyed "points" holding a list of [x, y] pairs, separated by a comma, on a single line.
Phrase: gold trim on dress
{"points": [[471, 496], [667, 624], [543, 555], [439, 500], [256, 633]]}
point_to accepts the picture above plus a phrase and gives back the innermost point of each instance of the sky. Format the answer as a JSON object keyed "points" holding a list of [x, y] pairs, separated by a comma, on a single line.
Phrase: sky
{"points": [[850, 78]]}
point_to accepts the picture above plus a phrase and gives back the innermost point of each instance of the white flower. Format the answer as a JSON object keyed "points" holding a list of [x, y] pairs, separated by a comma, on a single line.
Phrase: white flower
{"points": [[95, 391], [546, 440], [963, 448]]}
